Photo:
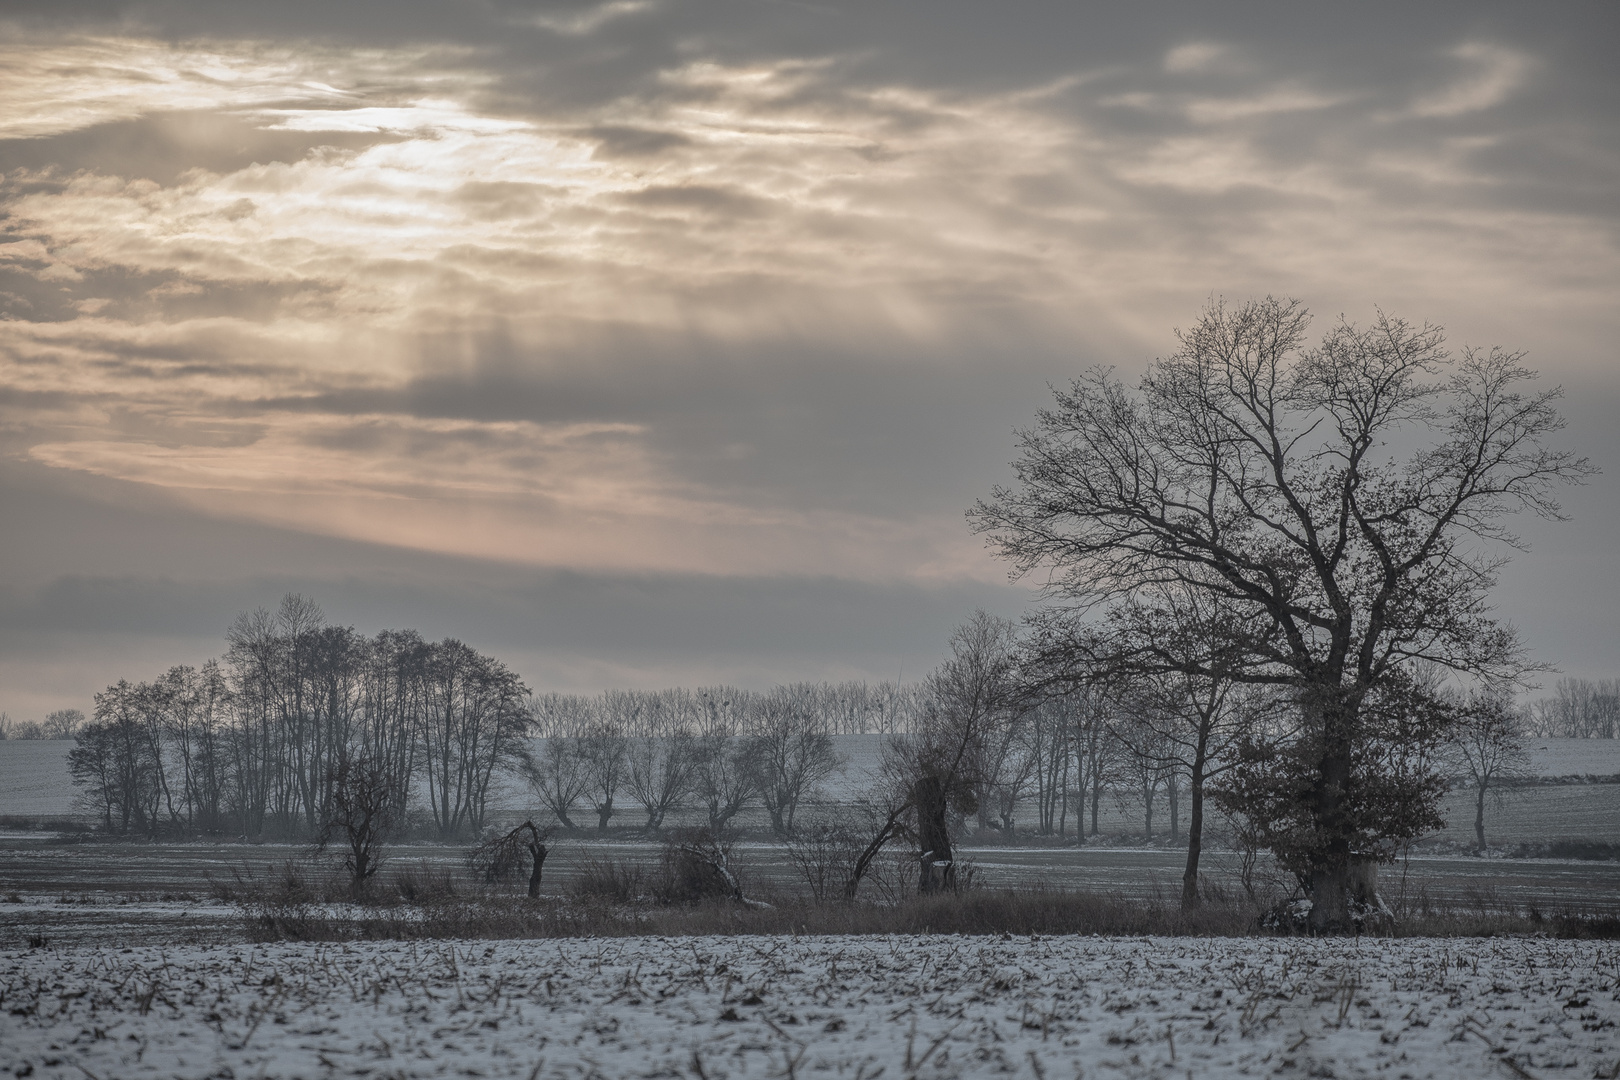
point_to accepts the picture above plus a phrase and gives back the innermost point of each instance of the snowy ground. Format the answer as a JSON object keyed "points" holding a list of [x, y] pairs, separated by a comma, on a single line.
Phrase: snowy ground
{"points": [[836, 1007]]}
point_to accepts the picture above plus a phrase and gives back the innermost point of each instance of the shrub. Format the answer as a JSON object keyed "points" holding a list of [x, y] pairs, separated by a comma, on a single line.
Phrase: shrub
{"points": [[423, 883], [608, 880]]}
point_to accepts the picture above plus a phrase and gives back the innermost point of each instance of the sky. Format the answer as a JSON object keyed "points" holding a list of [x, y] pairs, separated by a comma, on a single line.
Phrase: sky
{"points": [[649, 343]]}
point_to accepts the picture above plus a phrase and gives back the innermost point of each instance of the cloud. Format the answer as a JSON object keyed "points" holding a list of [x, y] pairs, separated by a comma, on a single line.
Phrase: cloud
{"points": [[758, 294], [1201, 57], [328, 300], [1492, 73], [591, 19]]}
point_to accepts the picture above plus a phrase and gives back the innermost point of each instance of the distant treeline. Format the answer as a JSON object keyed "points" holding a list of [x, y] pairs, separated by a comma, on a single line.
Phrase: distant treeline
{"points": [[1578, 709], [60, 724], [299, 718], [262, 741], [300, 722]]}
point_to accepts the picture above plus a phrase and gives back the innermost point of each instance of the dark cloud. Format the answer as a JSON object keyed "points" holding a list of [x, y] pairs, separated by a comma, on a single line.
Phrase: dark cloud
{"points": [[1387, 47], [703, 198], [632, 142], [891, 429], [785, 626], [165, 146]]}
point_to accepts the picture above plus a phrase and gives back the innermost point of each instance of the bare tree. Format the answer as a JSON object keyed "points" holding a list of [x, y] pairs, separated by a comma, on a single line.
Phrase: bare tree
{"points": [[1487, 745], [1289, 482], [604, 762], [393, 706], [791, 752], [1097, 754], [362, 816], [724, 778], [895, 706], [661, 770], [973, 693], [496, 858], [884, 823], [473, 726], [114, 759], [62, 723], [195, 714], [555, 770], [1002, 770], [1148, 759], [1047, 736], [1180, 668], [557, 776], [824, 851]]}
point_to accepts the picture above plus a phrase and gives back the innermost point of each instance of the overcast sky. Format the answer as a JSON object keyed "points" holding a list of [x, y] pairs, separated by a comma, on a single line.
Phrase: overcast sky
{"points": [[647, 343]]}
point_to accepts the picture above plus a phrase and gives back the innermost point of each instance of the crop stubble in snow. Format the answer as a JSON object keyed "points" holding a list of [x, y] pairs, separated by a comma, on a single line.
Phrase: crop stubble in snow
{"points": [[848, 1007]]}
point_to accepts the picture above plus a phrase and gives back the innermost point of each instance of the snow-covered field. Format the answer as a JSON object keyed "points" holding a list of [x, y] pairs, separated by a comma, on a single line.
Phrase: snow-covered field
{"points": [[837, 1007]]}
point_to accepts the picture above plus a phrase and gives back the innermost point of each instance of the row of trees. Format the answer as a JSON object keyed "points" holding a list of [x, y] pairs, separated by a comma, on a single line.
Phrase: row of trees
{"points": [[275, 738], [722, 747], [382, 721], [60, 724], [1579, 709], [300, 718], [847, 708]]}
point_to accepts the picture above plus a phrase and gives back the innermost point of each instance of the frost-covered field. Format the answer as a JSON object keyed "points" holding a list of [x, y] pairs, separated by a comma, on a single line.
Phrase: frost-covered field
{"points": [[835, 1007]]}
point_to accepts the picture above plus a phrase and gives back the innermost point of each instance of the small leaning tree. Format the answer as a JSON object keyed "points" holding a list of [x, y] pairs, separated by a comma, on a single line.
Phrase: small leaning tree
{"points": [[1345, 501]]}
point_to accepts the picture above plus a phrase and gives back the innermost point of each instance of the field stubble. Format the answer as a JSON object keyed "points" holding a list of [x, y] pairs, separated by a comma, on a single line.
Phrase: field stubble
{"points": [[897, 1006]]}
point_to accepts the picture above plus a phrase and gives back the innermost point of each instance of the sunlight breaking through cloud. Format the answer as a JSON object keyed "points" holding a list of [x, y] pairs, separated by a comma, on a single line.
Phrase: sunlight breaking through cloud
{"points": [[252, 333]]}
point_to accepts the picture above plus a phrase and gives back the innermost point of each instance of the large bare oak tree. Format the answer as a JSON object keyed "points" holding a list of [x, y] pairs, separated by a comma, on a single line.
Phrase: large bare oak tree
{"points": [[1347, 499]]}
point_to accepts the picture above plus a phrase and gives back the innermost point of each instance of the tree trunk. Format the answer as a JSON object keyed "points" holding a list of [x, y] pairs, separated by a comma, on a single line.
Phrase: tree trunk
{"points": [[538, 851], [1342, 884], [1063, 796], [1479, 817], [1096, 801], [870, 852], [603, 812], [1343, 896], [937, 871], [1195, 838]]}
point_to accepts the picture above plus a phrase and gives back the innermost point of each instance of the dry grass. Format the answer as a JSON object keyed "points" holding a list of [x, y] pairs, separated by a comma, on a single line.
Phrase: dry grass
{"points": [[610, 903], [1021, 913]]}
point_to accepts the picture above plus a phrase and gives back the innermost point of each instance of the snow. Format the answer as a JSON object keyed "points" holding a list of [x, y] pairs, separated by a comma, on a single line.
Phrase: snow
{"points": [[34, 777], [906, 1006]]}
